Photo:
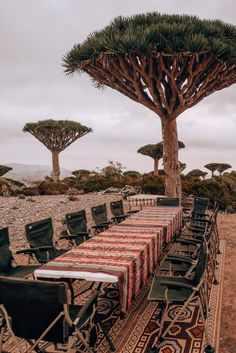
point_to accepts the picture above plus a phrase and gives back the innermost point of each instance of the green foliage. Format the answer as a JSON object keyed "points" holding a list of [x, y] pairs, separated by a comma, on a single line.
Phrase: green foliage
{"points": [[152, 184], [30, 191], [222, 167], [154, 33], [132, 174], [81, 173], [113, 169], [5, 188], [197, 173], [70, 181], [155, 151], [51, 188], [51, 124], [100, 182], [4, 169], [219, 167], [219, 189], [56, 135], [212, 167]]}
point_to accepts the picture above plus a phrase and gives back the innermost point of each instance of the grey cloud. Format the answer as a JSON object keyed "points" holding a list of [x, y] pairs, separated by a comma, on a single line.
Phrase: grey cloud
{"points": [[34, 36]]}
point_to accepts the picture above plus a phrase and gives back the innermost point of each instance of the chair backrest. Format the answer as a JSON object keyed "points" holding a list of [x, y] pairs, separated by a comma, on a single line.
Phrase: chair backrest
{"points": [[5, 252], [168, 201], [33, 305], [99, 214], [201, 264], [117, 208], [76, 222], [200, 205], [40, 233]]}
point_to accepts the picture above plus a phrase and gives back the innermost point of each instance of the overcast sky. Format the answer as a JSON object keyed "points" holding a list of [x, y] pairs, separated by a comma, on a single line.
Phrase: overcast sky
{"points": [[34, 36]]}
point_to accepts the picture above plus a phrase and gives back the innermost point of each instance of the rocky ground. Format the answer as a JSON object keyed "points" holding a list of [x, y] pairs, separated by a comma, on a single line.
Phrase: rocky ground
{"points": [[16, 212]]}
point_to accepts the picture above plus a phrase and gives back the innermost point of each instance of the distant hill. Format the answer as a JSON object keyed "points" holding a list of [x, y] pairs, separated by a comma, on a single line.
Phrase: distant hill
{"points": [[30, 172]]}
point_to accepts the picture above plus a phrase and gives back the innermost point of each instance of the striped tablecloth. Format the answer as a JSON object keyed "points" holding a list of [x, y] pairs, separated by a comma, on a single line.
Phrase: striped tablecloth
{"points": [[143, 200], [128, 251]]}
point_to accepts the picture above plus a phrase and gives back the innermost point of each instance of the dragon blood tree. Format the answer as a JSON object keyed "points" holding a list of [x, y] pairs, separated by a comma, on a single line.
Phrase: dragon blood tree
{"points": [[197, 173], [168, 63], [223, 167], [155, 151], [56, 135], [212, 167], [4, 169]]}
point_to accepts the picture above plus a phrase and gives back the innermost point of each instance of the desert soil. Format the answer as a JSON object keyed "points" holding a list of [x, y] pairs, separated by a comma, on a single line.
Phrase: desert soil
{"points": [[15, 213]]}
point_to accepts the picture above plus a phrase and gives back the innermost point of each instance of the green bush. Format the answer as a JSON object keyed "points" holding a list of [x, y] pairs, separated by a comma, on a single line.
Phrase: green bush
{"points": [[30, 191], [99, 183], [219, 189], [51, 188], [151, 184]]}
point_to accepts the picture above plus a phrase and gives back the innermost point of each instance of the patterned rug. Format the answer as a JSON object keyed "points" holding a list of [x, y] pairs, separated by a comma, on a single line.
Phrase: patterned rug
{"points": [[138, 330]]}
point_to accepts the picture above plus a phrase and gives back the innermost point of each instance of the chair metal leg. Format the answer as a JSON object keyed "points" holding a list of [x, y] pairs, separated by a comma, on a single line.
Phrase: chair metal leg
{"points": [[79, 334], [108, 338], [160, 337]]}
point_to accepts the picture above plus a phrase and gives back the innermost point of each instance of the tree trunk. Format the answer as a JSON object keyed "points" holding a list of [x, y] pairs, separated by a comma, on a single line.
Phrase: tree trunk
{"points": [[170, 158], [156, 160], [55, 166]]}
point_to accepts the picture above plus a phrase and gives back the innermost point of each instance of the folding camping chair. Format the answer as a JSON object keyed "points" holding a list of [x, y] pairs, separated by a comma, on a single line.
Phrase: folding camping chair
{"points": [[200, 207], [38, 312], [168, 201], [182, 292], [99, 214], [40, 237], [117, 210], [7, 260], [77, 229]]}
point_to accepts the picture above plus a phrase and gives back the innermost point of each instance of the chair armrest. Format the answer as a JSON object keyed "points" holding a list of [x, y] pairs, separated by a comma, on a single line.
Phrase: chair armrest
{"points": [[176, 284], [105, 224], [200, 214], [74, 236], [179, 258], [123, 216], [34, 250], [203, 220], [188, 241]]}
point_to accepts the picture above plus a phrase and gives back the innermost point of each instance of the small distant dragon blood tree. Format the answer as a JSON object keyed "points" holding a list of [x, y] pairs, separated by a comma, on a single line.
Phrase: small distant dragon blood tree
{"points": [[222, 167], [155, 151], [56, 135], [4, 169], [168, 63], [197, 173], [212, 167]]}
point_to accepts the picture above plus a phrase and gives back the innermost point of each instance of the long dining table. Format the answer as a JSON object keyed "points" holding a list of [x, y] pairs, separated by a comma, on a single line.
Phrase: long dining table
{"points": [[127, 253]]}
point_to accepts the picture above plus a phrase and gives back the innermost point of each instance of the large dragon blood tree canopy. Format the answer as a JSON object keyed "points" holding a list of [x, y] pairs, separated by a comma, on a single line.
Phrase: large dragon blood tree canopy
{"points": [[168, 63]]}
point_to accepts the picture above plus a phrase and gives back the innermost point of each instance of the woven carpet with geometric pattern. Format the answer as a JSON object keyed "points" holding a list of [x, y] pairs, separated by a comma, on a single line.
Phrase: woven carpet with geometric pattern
{"points": [[137, 331]]}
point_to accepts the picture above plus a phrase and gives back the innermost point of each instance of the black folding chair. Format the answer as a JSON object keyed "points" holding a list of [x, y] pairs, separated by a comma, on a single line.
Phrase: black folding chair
{"points": [[181, 291], [168, 201], [7, 267], [77, 229], [117, 210], [40, 237], [99, 214], [38, 312]]}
